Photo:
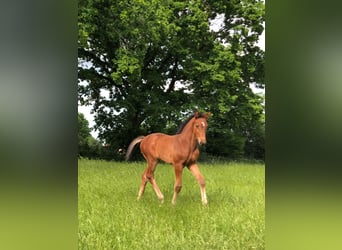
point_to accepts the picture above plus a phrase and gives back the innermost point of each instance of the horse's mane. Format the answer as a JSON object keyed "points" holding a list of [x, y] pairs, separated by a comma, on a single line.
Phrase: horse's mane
{"points": [[183, 124]]}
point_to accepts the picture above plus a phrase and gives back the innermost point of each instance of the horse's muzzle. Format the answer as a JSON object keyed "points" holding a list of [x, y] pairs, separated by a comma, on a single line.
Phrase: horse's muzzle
{"points": [[201, 142]]}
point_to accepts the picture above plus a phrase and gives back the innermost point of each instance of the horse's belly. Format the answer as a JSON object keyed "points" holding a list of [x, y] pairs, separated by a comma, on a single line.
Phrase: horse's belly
{"points": [[165, 154]]}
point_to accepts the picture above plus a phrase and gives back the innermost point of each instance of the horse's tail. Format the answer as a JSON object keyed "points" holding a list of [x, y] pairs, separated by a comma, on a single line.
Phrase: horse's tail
{"points": [[131, 146]]}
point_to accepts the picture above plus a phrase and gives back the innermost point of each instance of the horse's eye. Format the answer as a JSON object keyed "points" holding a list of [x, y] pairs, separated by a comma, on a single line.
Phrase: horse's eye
{"points": [[197, 126]]}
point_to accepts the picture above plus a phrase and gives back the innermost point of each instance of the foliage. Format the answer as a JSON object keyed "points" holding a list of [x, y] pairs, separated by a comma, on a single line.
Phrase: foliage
{"points": [[87, 145], [83, 129], [144, 65], [111, 218]]}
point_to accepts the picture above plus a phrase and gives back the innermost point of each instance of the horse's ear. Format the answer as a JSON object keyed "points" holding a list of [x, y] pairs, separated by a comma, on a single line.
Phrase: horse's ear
{"points": [[207, 115], [197, 114]]}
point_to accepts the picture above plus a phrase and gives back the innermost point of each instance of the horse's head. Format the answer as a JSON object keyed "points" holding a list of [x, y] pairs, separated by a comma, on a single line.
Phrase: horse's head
{"points": [[200, 127]]}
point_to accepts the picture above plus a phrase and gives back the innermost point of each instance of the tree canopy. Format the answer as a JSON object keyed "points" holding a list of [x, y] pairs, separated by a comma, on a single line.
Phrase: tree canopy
{"points": [[144, 65]]}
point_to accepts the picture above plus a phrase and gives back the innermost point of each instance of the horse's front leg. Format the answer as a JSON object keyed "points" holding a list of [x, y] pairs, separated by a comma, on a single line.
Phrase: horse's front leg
{"points": [[195, 171], [178, 182]]}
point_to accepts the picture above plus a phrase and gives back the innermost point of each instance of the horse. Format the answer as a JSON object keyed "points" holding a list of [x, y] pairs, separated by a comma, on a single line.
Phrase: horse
{"points": [[181, 150]]}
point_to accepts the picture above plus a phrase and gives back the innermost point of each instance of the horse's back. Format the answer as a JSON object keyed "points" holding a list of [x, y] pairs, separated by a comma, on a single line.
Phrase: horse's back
{"points": [[158, 146]]}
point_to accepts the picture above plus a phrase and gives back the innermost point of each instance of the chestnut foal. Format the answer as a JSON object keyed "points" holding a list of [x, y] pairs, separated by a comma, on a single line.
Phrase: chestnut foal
{"points": [[181, 150]]}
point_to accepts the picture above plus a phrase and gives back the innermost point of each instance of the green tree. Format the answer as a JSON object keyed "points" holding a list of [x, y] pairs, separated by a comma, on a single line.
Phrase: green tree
{"points": [[145, 64], [83, 129], [88, 146], [255, 143]]}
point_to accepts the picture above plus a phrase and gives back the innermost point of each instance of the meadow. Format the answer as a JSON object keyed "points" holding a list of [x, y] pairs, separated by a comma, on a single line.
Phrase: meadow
{"points": [[110, 217]]}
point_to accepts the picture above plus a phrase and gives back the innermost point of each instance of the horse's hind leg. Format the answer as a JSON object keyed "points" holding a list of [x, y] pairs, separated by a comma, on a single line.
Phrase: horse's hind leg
{"points": [[143, 184], [148, 175]]}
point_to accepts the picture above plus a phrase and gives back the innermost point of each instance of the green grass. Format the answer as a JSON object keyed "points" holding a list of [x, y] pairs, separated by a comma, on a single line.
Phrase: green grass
{"points": [[110, 217]]}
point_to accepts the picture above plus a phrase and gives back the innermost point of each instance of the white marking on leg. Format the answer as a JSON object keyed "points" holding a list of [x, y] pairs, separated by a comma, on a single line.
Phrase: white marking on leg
{"points": [[204, 197]]}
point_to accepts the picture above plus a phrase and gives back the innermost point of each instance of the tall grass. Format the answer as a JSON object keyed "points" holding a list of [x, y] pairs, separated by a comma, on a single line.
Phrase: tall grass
{"points": [[110, 217]]}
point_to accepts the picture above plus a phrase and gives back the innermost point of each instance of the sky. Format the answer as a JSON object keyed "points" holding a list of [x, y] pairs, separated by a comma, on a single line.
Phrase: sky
{"points": [[86, 110]]}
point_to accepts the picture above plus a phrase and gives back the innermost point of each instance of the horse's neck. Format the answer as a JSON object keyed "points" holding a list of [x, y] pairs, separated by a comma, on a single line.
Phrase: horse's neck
{"points": [[188, 135]]}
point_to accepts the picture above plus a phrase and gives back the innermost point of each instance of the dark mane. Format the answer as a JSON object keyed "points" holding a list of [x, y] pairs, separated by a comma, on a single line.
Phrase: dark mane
{"points": [[183, 124]]}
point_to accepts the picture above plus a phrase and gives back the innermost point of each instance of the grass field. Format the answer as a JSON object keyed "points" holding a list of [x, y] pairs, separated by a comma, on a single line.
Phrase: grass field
{"points": [[110, 217]]}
